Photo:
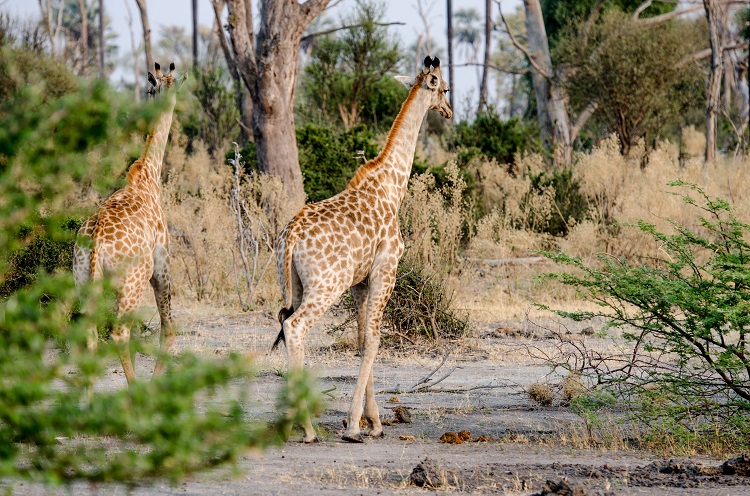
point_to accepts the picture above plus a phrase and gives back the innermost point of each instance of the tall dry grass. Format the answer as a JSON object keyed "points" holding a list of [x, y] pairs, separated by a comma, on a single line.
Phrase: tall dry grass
{"points": [[207, 255]]}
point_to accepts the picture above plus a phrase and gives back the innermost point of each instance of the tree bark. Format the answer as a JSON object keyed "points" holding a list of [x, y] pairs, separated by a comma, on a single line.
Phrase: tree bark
{"points": [[146, 34], [101, 38], [449, 15], [84, 37], [487, 40], [551, 101], [268, 68], [713, 91], [195, 33]]}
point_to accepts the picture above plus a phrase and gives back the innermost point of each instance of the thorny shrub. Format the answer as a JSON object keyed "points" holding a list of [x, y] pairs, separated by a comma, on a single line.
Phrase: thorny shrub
{"points": [[685, 313]]}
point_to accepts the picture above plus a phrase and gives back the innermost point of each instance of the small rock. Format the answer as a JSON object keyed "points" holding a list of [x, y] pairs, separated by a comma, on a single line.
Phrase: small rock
{"points": [[589, 331], [394, 399], [407, 438], [450, 438], [562, 488], [401, 415], [427, 474], [737, 466], [464, 435]]}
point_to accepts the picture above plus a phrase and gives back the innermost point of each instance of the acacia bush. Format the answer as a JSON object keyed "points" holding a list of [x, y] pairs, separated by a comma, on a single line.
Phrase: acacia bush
{"points": [[685, 313]]}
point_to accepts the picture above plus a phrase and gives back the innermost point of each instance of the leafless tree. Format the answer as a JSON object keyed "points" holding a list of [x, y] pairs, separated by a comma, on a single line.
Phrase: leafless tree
{"points": [[267, 63], [53, 30], [713, 91]]}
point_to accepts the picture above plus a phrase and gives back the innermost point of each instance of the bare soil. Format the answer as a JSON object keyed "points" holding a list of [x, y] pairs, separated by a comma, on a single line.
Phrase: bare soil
{"points": [[510, 445]]}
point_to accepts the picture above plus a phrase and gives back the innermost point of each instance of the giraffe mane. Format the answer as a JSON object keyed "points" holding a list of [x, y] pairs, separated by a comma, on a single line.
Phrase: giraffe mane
{"points": [[368, 168]]}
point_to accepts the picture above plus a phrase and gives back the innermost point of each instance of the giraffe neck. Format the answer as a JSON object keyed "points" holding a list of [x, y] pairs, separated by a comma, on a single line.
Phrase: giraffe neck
{"points": [[390, 170], [146, 171]]}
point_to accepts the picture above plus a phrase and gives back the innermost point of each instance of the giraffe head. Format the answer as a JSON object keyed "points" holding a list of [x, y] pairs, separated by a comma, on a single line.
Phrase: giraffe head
{"points": [[430, 80], [160, 82]]}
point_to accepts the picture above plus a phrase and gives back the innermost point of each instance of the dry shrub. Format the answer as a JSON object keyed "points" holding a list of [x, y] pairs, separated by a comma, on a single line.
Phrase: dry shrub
{"points": [[197, 201], [432, 219], [540, 393], [572, 387]]}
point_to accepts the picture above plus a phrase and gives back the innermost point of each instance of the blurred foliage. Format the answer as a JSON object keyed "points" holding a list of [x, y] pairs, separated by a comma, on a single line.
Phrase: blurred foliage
{"points": [[51, 429], [345, 82], [633, 73], [329, 158]]}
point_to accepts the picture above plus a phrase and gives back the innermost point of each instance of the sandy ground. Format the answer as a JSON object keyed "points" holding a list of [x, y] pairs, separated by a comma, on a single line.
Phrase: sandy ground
{"points": [[484, 396]]}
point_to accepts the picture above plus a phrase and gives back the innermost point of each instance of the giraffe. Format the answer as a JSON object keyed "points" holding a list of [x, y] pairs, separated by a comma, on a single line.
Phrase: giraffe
{"points": [[128, 238], [353, 241]]}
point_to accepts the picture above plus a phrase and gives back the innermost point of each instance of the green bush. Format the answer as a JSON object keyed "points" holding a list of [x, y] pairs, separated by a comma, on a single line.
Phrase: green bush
{"points": [[328, 158], [571, 205], [51, 428], [489, 136], [686, 316]]}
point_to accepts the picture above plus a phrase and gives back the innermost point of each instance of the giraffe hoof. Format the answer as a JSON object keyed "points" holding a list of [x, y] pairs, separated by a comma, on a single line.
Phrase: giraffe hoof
{"points": [[357, 438], [314, 440], [380, 434]]}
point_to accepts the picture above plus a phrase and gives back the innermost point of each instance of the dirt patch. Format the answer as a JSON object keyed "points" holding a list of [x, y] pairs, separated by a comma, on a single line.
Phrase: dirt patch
{"points": [[507, 443]]}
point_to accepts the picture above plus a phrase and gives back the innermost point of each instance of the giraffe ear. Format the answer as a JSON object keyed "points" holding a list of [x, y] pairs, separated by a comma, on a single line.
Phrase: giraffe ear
{"points": [[406, 80], [433, 81], [171, 68], [151, 79]]}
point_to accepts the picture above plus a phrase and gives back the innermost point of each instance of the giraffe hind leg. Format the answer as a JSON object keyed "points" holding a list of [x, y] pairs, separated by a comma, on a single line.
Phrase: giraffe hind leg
{"points": [[372, 415], [162, 286]]}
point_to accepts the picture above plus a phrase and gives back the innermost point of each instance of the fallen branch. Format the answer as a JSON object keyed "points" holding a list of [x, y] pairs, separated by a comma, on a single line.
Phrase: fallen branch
{"points": [[496, 262]]}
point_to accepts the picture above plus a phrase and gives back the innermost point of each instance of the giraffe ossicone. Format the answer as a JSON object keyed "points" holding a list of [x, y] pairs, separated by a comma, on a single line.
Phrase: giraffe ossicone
{"points": [[127, 238], [353, 241]]}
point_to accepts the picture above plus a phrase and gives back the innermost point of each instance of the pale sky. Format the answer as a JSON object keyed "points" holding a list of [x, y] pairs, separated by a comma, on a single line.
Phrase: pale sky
{"points": [[178, 12]]}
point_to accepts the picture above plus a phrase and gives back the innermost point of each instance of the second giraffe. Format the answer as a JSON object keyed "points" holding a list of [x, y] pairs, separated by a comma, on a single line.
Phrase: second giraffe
{"points": [[353, 240]]}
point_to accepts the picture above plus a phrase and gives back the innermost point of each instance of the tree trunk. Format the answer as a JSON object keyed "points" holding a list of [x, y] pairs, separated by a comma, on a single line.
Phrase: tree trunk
{"points": [[146, 34], [551, 101], [268, 67], [84, 37], [713, 91], [101, 38], [487, 40], [195, 33], [450, 52]]}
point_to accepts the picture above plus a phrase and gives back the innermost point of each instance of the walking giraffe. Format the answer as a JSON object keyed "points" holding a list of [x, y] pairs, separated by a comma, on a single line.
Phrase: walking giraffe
{"points": [[353, 240], [128, 236]]}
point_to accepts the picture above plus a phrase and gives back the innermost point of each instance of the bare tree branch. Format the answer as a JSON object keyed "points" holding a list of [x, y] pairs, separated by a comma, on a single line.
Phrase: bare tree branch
{"points": [[496, 68], [650, 21], [520, 47], [583, 117], [641, 8], [333, 30]]}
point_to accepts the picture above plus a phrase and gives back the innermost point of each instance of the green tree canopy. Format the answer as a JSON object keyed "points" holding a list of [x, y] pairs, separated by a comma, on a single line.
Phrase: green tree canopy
{"points": [[345, 82], [639, 77]]}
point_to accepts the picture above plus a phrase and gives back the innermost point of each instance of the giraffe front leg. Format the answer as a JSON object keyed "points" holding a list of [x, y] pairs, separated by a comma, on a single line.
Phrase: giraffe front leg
{"points": [[161, 282], [360, 293]]}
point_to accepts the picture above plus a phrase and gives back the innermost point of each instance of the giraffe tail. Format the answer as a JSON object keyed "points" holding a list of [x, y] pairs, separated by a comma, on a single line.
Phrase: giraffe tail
{"points": [[288, 309]]}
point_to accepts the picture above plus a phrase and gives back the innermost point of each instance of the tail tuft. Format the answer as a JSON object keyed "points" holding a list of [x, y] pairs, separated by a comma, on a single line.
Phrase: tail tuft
{"points": [[284, 314]]}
